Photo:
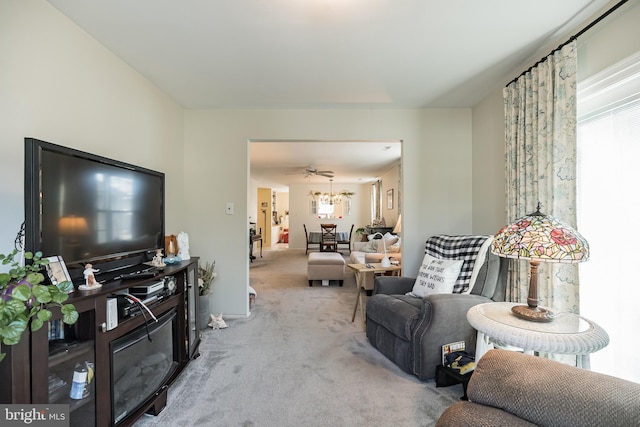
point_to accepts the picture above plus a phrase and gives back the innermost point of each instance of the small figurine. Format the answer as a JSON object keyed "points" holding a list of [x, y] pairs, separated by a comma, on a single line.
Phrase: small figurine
{"points": [[157, 259], [183, 246], [89, 278]]}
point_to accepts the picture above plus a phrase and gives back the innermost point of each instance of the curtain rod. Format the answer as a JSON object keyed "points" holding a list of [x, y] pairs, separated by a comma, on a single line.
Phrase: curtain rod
{"points": [[572, 38]]}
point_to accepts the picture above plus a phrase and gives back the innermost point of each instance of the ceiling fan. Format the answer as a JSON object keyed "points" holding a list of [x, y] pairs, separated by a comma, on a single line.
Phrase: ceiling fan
{"points": [[312, 171]]}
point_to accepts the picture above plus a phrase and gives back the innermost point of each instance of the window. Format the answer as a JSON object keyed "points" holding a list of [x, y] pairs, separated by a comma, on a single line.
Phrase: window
{"points": [[608, 173]]}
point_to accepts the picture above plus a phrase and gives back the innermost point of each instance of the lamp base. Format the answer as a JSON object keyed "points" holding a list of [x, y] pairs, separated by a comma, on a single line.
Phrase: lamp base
{"points": [[533, 314]]}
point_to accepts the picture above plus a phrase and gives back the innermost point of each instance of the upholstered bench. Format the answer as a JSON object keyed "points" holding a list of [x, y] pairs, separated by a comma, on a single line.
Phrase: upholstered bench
{"points": [[325, 266]]}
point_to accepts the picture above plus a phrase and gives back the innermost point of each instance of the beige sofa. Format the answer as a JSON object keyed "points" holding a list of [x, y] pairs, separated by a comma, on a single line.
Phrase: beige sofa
{"points": [[514, 389], [358, 256]]}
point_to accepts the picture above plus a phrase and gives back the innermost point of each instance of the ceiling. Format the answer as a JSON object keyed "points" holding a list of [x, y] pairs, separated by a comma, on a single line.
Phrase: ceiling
{"points": [[326, 53], [278, 164]]}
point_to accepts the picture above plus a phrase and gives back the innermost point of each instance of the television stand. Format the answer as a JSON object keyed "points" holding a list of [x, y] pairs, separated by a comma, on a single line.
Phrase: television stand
{"points": [[40, 368]]}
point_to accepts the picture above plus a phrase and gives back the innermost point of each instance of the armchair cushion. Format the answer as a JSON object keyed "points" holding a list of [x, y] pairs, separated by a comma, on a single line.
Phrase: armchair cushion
{"points": [[398, 314], [393, 285]]}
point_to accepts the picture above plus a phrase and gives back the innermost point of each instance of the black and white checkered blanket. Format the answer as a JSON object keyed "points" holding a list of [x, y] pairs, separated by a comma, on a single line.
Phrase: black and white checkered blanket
{"points": [[464, 247]]}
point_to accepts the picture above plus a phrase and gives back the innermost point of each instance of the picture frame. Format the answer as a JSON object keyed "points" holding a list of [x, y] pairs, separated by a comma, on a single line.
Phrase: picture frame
{"points": [[346, 207], [313, 207], [390, 199], [57, 270]]}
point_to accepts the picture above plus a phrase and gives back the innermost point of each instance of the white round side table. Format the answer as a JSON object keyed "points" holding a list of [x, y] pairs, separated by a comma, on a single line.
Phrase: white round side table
{"points": [[568, 333]]}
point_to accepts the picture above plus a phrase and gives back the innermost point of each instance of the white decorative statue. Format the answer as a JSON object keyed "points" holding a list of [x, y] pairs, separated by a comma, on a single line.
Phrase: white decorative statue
{"points": [[89, 277], [183, 246], [217, 322]]}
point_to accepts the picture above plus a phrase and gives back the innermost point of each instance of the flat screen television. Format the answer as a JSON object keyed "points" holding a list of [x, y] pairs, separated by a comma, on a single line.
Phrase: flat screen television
{"points": [[87, 208]]}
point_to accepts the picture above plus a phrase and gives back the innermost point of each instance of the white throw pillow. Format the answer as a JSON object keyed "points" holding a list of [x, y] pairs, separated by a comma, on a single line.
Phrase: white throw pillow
{"points": [[389, 240], [387, 244], [370, 247], [436, 276], [394, 248], [376, 245]]}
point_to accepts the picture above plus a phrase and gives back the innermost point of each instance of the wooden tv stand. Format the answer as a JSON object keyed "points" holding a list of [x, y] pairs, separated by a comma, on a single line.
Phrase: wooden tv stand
{"points": [[39, 369]]}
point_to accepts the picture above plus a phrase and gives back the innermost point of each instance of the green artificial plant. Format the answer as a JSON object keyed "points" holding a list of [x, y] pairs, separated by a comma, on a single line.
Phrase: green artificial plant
{"points": [[24, 300]]}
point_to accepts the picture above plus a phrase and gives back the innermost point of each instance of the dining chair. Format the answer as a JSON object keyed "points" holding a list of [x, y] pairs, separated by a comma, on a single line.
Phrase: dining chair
{"points": [[309, 243], [329, 241], [345, 242]]}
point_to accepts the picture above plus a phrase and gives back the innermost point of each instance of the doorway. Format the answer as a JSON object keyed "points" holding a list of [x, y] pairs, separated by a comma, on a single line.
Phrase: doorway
{"points": [[294, 167]]}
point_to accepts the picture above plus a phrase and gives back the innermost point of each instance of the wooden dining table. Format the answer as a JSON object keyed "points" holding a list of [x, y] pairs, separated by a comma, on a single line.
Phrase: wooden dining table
{"points": [[316, 236]]}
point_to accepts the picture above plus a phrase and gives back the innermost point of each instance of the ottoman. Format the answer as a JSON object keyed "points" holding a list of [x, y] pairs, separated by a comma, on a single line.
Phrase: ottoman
{"points": [[325, 266]]}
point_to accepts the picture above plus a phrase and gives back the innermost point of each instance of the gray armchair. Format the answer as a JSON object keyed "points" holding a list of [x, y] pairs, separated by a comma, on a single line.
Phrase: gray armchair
{"points": [[410, 331]]}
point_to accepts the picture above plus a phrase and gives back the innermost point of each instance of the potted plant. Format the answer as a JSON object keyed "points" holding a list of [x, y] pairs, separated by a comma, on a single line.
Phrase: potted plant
{"points": [[24, 300], [206, 275], [362, 232]]}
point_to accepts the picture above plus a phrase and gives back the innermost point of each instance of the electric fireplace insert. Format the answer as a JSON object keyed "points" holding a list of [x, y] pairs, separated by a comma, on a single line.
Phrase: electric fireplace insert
{"points": [[141, 362]]}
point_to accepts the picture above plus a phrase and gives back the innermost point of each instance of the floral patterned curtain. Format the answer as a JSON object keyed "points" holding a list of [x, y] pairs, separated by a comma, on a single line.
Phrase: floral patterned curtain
{"points": [[540, 134]]}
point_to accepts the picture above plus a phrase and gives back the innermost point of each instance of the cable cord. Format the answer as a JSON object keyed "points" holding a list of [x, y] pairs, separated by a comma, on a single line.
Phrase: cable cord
{"points": [[141, 304], [18, 243]]}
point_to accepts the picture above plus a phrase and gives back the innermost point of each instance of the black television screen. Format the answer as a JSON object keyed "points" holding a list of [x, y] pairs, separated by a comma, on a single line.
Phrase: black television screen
{"points": [[87, 208]]}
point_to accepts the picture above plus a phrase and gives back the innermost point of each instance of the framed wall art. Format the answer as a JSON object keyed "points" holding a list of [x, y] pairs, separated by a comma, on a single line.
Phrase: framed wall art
{"points": [[57, 270], [390, 199]]}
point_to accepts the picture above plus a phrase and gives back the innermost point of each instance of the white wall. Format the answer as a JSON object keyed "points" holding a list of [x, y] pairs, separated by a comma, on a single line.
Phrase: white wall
{"points": [[59, 85], [489, 214], [436, 177], [442, 167]]}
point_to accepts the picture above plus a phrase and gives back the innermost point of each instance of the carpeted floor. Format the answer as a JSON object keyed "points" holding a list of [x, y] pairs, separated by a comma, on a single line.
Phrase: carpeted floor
{"points": [[298, 360]]}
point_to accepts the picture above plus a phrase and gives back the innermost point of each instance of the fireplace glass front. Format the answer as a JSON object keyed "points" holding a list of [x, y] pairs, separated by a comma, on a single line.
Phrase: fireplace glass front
{"points": [[141, 361]]}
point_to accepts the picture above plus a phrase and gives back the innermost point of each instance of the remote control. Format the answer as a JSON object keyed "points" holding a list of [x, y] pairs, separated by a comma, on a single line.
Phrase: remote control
{"points": [[140, 275]]}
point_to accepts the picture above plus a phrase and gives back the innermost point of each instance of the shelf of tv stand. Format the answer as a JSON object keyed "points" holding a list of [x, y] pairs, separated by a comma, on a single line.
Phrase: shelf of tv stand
{"points": [[112, 286], [76, 350], [75, 403], [129, 324]]}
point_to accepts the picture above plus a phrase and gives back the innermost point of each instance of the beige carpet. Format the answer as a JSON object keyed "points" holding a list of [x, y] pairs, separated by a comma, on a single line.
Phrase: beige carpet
{"points": [[298, 360]]}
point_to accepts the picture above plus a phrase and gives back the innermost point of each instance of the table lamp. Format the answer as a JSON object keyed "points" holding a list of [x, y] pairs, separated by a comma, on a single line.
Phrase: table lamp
{"points": [[385, 262], [539, 238], [398, 228]]}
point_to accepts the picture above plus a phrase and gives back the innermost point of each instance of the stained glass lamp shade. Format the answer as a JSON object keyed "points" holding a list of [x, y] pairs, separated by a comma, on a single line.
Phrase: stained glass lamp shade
{"points": [[539, 238]]}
